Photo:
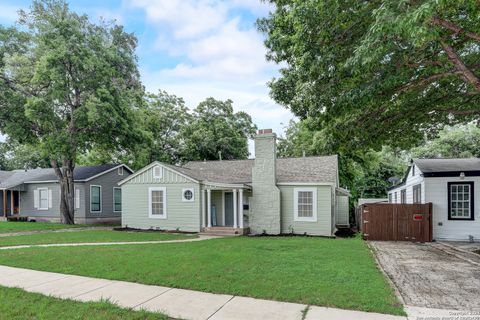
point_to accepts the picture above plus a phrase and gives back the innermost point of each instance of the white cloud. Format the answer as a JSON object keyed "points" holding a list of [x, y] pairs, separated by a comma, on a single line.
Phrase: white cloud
{"points": [[220, 55], [187, 18]]}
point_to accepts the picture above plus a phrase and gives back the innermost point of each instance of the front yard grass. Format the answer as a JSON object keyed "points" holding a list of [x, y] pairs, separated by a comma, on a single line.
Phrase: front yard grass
{"points": [[317, 271], [15, 226], [90, 236], [18, 304]]}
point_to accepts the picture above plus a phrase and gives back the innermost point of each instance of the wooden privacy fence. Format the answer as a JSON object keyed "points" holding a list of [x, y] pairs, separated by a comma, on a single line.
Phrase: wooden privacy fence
{"points": [[396, 222]]}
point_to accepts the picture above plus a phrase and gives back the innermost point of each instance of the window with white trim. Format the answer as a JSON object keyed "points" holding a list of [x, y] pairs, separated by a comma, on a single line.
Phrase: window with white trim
{"points": [[157, 202], [417, 193], [117, 199], [95, 199], [157, 172], [77, 198], [305, 204], [43, 199], [188, 195], [120, 171], [460, 205]]}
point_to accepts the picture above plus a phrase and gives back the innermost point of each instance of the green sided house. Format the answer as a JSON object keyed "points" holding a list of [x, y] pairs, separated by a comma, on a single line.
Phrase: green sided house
{"points": [[261, 195]]}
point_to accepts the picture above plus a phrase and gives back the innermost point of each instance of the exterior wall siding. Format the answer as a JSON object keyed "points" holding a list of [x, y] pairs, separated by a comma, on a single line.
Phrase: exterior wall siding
{"points": [[182, 216], [27, 206], [322, 227], [342, 210], [412, 180], [107, 181], [444, 229]]}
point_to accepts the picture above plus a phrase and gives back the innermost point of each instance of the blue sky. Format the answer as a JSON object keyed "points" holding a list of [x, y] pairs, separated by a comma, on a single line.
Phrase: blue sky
{"points": [[193, 49]]}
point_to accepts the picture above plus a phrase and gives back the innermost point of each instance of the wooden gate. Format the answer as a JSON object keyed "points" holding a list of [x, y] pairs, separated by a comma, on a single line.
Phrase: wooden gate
{"points": [[397, 222]]}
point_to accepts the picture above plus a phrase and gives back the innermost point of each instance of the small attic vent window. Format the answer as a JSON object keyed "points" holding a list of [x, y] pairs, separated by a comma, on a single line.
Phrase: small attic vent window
{"points": [[413, 170], [120, 171], [157, 172]]}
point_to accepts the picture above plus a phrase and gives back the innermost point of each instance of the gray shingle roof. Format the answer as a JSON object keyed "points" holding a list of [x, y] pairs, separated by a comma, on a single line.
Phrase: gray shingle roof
{"points": [[306, 169], [9, 179], [447, 165]]}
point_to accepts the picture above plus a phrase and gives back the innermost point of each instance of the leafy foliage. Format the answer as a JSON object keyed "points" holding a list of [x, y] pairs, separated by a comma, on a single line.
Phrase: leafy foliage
{"points": [[19, 156], [373, 73], [66, 85], [217, 131], [453, 142]]}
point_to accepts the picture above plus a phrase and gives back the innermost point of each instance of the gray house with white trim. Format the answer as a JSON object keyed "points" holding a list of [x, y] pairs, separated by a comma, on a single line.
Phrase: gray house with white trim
{"points": [[35, 194], [261, 195]]}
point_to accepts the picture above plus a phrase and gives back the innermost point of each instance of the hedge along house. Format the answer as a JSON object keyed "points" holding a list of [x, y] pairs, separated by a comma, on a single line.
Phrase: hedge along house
{"points": [[264, 195], [35, 194], [451, 186]]}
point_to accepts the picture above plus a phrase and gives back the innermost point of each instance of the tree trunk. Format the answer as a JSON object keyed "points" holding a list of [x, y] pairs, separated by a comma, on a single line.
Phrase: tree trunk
{"points": [[67, 190]]}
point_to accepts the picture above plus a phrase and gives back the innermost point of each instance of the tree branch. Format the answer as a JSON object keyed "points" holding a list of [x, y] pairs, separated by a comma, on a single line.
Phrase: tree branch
{"points": [[460, 66], [427, 80], [456, 29]]}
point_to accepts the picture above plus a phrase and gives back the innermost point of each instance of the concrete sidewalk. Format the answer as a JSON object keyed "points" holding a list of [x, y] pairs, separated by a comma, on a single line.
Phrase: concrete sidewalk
{"points": [[176, 303], [78, 244]]}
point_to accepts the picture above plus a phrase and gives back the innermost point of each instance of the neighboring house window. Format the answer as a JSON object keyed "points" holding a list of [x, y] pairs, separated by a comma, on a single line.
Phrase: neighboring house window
{"points": [[95, 199], [460, 201], [188, 195], [157, 202], [117, 199], [390, 198], [43, 199], [417, 193], [77, 198], [120, 171], [157, 172], [403, 196], [305, 204], [395, 197]]}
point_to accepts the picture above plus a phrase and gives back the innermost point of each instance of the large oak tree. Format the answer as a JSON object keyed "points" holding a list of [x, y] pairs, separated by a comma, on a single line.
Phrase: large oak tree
{"points": [[67, 84], [376, 72]]}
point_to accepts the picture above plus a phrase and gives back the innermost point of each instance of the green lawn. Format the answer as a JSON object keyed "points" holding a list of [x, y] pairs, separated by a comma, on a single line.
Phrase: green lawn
{"points": [[13, 226], [90, 236], [328, 272], [21, 305]]}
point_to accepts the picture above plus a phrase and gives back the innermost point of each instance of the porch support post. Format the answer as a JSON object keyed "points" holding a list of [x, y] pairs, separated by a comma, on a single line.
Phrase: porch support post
{"points": [[209, 208], [204, 218], [5, 203], [11, 203], [235, 205], [240, 208]]}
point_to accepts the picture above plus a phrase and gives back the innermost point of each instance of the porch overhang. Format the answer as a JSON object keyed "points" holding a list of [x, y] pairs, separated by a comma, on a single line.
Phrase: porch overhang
{"points": [[225, 186]]}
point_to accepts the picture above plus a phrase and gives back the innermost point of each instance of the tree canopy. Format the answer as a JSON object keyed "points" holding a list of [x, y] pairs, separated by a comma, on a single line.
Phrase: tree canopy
{"points": [[66, 85], [462, 141], [373, 73]]}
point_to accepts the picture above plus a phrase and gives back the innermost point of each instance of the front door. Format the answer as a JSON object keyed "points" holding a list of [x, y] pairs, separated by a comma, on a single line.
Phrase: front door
{"points": [[229, 209]]}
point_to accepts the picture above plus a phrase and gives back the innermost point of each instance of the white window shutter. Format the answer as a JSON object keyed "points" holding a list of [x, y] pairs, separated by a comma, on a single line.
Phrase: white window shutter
{"points": [[35, 199], [50, 198], [77, 198]]}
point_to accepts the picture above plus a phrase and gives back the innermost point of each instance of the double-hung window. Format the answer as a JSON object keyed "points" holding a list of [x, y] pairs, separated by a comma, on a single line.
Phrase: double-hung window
{"points": [[43, 199], [157, 202], [117, 199], [417, 193], [305, 204], [403, 196], [460, 201], [95, 199]]}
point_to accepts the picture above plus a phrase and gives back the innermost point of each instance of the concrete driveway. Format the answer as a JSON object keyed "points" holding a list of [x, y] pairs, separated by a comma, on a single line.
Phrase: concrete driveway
{"points": [[431, 275]]}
